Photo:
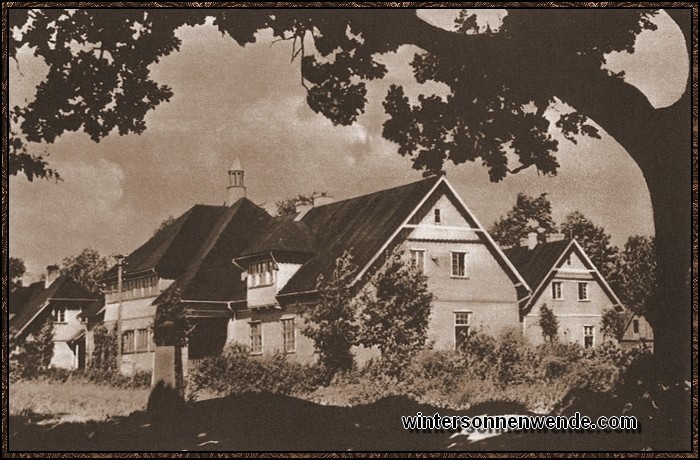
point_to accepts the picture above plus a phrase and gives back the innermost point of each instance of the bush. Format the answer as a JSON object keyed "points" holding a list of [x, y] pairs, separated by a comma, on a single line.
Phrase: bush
{"points": [[517, 360], [236, 371], [480, 355]]}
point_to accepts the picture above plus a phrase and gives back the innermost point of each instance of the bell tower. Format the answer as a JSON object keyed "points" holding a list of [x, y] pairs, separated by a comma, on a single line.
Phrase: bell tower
{"points": [[236, 188]]}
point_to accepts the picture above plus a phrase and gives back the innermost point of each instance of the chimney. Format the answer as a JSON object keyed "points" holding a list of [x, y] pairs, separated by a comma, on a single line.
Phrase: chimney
{"points": [[322, 200], [302, 209], [531, 240], [236, 186], [555, 237], [51, 275]]}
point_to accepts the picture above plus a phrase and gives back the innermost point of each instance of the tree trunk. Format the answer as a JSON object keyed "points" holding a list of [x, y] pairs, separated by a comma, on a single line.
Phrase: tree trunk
{"points": [[667, 169]]}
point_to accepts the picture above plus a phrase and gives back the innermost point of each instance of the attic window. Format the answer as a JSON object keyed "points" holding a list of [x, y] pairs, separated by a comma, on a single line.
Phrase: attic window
{"points": [[635, 326], [437, 218]]}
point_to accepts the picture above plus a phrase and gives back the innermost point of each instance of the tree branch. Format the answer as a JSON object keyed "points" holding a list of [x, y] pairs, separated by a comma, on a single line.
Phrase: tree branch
{"points": [[609, 101]]}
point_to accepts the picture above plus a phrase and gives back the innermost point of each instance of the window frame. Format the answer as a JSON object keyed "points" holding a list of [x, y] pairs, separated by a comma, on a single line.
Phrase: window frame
{"points": [[59, 315], [287, 336], [559, 284], [587, 297], [586, 328], [465, 274], [261, 274], [456, 325], [129, 341], [142, 335], [413, 252], [253, 350], [437, 216]]}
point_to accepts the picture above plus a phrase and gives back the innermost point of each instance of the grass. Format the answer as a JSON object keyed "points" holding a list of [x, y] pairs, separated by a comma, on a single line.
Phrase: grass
{"points": [[82, 416], [74, 400]]}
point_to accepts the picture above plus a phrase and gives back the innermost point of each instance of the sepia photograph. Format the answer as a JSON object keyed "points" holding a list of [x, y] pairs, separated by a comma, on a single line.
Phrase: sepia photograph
{"points": [[349, 228]]}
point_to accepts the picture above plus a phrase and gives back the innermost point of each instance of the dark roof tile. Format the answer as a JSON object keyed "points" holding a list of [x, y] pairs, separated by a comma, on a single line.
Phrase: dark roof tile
{"points": [[535, 264], [359, 225], [170, 251]]}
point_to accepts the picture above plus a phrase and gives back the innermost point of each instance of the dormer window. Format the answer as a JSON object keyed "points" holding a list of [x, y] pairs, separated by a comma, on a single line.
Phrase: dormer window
{"points": [[59, 315], [437, 218], [261, 274]]}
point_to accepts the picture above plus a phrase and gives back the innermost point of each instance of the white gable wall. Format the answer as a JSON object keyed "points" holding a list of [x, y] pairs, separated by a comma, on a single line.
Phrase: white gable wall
{"points": [[486, 291], [573, 314]]}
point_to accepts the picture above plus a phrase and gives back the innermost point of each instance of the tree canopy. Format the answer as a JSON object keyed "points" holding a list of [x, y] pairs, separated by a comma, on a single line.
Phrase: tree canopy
{"points": [[527, 215], [87, 268], [15, 271], [593, 239], [633, 275]]}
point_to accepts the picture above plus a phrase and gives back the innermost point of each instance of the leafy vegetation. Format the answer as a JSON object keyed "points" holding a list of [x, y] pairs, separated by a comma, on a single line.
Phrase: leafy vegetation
{"points": [[332, 322], [235, 371], [549, 323], [613, 324], [394, 312], [87, 268], [15, 271], [527, 215]]}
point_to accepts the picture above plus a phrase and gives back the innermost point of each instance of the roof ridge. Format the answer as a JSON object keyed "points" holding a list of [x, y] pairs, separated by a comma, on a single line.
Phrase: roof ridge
{"points": [[436, 177]]}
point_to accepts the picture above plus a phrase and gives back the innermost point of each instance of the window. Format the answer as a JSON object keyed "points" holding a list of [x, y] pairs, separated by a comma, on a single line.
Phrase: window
{"points": [[556, 290], [261, 274], [418, 259], [59, 315], [588, 336], [583, 291], [461, 328], [256, 337], [289, 335], [142, 339], [437, 218], [459, 264], [128, 342], [635, 326]]}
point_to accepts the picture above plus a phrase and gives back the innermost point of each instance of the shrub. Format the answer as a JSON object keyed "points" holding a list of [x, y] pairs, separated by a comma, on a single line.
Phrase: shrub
{"points": [[479, 352], [613, 324], [549, 324], [236, 371], [517, 361], [104, 353], [32, 357]]}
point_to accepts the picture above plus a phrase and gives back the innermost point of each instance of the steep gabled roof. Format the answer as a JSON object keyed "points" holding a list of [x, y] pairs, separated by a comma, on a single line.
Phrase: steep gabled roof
{"points": [[19, 296], [211, 274], [367, 225], [63, 288], [539, 265], [359, 225], [534, 264], [171, 250]]}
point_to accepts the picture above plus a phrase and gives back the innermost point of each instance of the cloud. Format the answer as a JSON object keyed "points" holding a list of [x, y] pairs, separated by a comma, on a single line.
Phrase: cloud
{"points": [[49, 221], [247, 101]]}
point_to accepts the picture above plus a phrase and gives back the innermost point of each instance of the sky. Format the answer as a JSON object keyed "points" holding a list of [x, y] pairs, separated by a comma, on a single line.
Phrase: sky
{"points": [[248, 101]]}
